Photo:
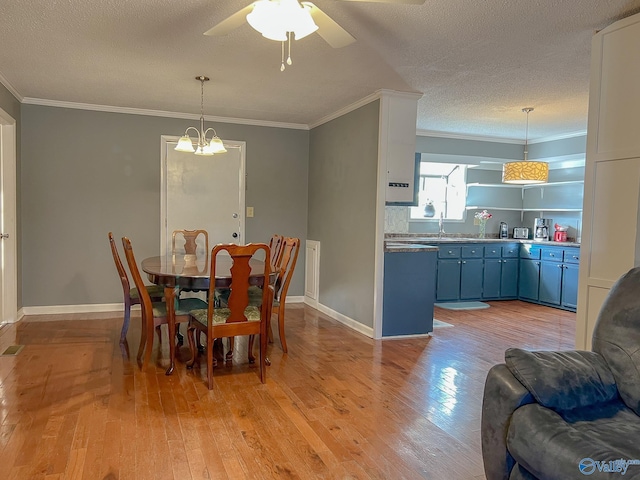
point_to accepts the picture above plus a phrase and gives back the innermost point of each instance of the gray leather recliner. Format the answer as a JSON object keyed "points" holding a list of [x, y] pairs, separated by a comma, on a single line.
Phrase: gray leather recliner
{"points": [[572, 414]]}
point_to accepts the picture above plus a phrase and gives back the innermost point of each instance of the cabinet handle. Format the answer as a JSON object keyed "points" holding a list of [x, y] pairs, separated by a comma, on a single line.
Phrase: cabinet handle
{"points": [[473, 251], [459, 262], [552, 255], [464, 261], [560, 266], [575, 257], [450, 252], [493, 251]]}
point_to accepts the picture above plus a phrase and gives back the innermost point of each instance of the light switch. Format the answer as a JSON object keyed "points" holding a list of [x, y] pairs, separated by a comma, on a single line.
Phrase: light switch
{"points": [[249, 212]]}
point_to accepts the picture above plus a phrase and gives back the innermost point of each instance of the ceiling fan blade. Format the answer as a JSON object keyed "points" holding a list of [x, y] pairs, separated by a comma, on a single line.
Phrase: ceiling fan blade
{"points": [[399, 2], [328, 29], [230, 23]]}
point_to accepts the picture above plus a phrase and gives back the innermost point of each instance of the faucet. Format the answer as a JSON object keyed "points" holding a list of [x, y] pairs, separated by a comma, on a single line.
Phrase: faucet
{"points": [[441, 225]]}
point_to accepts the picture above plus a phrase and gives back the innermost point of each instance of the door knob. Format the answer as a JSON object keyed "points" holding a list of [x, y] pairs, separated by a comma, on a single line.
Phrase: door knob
{"points": [[4, 235], [235, 215], [234, 235]]}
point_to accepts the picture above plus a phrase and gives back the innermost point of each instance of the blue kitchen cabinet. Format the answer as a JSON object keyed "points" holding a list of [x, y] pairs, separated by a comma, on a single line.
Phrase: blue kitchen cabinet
{"points": [[448, 280], [492, 278], [509, 278], [471, 278], [550, 282], [529, 279], [570, 287], [409, 293]]}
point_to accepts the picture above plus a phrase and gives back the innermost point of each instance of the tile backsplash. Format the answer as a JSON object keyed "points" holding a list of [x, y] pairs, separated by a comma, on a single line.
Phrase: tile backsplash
{"points": [[396, 219]]}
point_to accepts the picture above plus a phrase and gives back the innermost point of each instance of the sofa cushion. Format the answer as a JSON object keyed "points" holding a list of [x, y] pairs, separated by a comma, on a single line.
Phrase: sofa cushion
{"points": [[563, 380], [552, 446], [616, 336]]}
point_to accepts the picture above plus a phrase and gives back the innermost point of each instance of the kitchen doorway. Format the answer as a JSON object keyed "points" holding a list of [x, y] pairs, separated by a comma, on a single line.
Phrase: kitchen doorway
{"points": [[8, 243], [203, 192]]}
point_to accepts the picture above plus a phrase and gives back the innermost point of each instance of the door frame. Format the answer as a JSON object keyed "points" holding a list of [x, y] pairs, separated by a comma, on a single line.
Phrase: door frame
{"points": [[9, 258], [164, 141]]}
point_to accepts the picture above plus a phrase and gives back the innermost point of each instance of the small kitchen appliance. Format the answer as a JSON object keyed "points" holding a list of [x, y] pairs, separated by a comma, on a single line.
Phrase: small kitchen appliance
{"points": [[560, 234], [541, 228], [504, 230], [521, 232]]}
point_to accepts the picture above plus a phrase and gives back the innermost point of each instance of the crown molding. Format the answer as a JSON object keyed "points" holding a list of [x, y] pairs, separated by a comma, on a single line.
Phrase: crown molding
{"points": [[9, 87], [477, 138], [559, 137], [160, 113], [378, 94]]}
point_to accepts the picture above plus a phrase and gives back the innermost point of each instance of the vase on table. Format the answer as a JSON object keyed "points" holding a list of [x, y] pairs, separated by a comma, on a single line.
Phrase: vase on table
{"points": [[482, 228]]}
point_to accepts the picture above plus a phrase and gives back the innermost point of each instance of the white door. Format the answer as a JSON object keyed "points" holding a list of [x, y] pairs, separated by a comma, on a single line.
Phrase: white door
{"points": [[8, 255], [203, 192]]}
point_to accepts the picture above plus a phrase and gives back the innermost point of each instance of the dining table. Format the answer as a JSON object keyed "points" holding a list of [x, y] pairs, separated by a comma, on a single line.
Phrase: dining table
{"points": [[192, 272]]}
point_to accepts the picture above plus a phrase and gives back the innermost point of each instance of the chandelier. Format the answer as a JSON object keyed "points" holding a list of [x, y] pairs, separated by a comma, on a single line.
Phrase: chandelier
{"points": [[525, 172], [277, 19], [205, 147]]}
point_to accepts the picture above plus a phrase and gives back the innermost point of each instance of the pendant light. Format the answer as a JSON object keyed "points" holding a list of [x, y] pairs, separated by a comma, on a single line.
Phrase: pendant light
{"points": [[205, 147], [525, 172]]}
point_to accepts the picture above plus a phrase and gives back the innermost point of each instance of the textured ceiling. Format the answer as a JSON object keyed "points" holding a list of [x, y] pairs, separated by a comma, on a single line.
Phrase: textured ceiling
{"points": [[478, 63]]}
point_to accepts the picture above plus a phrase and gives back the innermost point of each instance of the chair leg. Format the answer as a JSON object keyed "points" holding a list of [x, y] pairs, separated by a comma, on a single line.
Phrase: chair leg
{"points": [[263, 358], [210, 363], [280, 312], [252, 358], [125, 322], [179, 335], [191, 337], [143, 339], [232, 343]]}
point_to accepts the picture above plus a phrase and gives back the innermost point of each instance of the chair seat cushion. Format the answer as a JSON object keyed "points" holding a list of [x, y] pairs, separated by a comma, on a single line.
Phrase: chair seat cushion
{"points": [[155, 291], [220, 315], [555, 446], [184, 307], [255, 296]]}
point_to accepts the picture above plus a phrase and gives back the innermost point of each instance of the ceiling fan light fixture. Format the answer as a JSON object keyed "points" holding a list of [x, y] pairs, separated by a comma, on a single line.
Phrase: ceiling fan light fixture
{"points": [[274, 18], [525, 172]]}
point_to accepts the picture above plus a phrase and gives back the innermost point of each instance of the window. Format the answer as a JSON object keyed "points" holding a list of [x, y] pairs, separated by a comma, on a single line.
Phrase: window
{"points": [[442, 190]]}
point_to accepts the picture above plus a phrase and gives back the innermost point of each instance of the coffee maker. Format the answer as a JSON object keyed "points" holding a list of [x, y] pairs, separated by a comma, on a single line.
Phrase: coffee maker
{"points": [[504, 230], [541, 228]]}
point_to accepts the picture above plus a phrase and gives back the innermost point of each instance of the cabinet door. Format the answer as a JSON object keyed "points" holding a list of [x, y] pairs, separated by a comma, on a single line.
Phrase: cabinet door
{"points": [[570, 286], [471, 279], [550, 282], [448, 281], [509, 278], [492, 278], [529, 279]]}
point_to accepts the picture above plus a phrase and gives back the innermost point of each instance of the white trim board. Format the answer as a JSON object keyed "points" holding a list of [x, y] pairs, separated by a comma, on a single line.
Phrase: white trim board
{"points": [[349, 322]]}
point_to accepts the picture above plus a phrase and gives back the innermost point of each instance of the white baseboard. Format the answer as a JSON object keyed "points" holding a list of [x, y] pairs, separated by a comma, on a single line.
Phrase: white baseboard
{"points": [[405, 337], [96, 308], [349, 322], [312, 302], [89, 308]]}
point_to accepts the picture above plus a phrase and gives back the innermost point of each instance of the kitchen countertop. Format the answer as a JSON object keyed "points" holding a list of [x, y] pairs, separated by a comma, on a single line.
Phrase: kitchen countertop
{"points": [[391, 246], [409, 239]]}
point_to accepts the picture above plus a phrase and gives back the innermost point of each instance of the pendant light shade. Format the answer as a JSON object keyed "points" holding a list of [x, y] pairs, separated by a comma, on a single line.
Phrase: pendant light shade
{"points": [[525, 172]]}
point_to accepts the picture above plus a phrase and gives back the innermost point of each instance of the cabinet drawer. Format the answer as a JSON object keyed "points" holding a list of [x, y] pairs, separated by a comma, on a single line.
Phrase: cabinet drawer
{"points": [[551, 254], [530, 251], [472, 251], [492, 251], [572, 256], [510, 251], [448, 252]]}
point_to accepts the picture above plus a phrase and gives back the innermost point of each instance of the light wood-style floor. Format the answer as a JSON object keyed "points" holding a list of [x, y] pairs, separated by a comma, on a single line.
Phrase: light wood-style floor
{"points": [[73, 405]]}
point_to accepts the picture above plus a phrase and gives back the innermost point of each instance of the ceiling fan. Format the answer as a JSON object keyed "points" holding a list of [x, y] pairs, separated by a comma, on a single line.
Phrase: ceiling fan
{"points": [[278, 19]]}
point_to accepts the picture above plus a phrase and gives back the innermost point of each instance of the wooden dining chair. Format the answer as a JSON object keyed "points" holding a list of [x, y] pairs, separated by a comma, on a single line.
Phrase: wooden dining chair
{"points": [[275, 245], [190, 237], [154, 314], [287, 264], [238, 317], [131, 295]]}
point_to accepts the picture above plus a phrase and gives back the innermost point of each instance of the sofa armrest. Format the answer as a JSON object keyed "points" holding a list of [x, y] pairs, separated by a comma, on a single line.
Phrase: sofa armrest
{"points": [[503, 394]]}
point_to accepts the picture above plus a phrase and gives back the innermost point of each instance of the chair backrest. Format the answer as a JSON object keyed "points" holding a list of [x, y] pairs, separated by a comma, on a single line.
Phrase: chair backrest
{"points": [[240, 278], [145, 300], [288, 258], [191, 243], [275, 245], [122, 273]]}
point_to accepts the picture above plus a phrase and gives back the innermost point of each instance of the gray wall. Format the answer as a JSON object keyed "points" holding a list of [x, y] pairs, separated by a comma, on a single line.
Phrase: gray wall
{"points": [[343, 172], [85, 173]]}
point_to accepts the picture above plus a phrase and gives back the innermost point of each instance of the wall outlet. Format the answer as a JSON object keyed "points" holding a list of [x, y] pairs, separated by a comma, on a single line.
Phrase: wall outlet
{"points": [[476, 221], [249, 212]]}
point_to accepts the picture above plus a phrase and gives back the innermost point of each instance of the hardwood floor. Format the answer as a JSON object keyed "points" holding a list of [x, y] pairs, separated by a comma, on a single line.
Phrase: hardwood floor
{"points": [[73, 405]]}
